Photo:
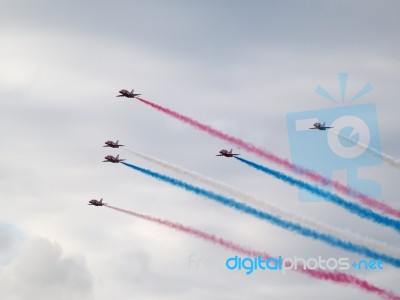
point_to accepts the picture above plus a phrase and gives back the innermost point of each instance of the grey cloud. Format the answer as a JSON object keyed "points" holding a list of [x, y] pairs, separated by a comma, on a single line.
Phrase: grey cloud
{"points": [[219, 31], [132, 265], [42, 272]]}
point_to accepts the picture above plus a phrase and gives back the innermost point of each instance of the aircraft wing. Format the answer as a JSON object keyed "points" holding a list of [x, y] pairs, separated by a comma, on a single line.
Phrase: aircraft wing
{"points": [[313, 128]]}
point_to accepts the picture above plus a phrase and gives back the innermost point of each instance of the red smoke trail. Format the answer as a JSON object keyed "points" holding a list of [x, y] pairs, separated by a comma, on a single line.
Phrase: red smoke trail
{"points": [[280, 161], [337, 277]]}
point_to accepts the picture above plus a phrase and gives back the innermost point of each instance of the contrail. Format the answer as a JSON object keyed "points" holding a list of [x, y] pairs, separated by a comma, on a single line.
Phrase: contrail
{"points": [[385, 157], [350, 206], [291, 226], [343, 235], [336, 277], [317, 178]]}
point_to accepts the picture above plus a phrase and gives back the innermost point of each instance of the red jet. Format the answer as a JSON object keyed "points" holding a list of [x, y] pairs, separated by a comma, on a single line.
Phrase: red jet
{"points": [[320, 126], [97, 202], [113, 144], [128, 94], [110, 158], [227, 153]]}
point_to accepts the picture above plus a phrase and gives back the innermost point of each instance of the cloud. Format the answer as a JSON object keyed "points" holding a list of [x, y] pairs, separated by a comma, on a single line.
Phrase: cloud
{"points": [[42, 272], [132, 265], [238, 66], [5, 240]]}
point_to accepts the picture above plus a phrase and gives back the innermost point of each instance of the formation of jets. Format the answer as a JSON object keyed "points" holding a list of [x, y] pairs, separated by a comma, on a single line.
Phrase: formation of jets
{"points": [[116, 159], [111, 144], [320, 126]]}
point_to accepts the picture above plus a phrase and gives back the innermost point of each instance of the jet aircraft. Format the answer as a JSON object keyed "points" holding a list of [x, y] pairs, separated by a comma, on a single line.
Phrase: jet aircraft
{"points": [[96, 202], [113, 144], [110, 158], [227, 153], [128, 94], [320, 126]]}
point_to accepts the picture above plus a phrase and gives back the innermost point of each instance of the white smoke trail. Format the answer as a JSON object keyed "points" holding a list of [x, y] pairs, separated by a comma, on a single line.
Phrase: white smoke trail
{"points": [[342, 234], [385, 157]]}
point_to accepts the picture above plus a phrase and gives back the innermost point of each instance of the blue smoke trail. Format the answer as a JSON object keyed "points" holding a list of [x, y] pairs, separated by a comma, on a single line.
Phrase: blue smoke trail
{"points": [[331, 240], [350, 206]]}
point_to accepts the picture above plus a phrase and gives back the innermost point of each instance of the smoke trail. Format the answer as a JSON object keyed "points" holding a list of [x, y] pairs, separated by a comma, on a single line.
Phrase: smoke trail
{"points": [[273, 158], [337, 277], [269, 218], [352, 207], [343, 235], [389, 159]]}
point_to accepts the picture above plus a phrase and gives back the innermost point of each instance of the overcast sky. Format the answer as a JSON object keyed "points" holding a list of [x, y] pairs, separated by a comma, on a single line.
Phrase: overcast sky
{"points": [[240, 66]]}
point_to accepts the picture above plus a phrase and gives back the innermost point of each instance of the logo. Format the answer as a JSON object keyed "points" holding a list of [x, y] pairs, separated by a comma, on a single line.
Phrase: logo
{"points": [[251, 264], [330, 152]]}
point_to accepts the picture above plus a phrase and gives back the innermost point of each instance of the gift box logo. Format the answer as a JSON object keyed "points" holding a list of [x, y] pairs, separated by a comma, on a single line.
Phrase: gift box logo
{"points": [[329, 153]]}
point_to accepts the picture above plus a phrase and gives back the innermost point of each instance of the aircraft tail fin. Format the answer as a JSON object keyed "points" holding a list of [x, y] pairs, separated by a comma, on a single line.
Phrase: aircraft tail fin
{"points": [[231, 151], [117, 142], [101, 200], [117, 156]]}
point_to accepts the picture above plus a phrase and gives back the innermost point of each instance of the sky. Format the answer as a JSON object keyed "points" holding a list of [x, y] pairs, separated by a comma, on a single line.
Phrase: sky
{"points": [[239, 66]]}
